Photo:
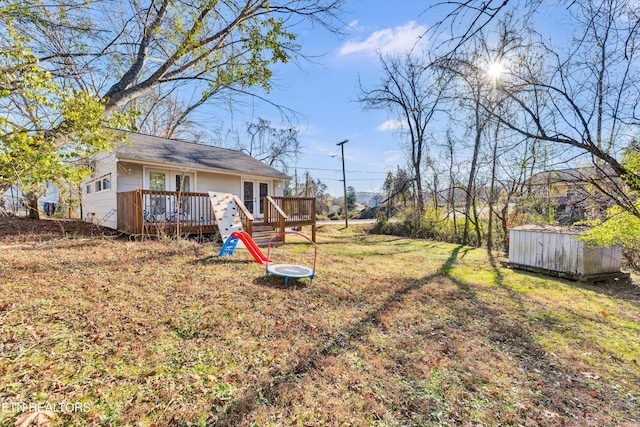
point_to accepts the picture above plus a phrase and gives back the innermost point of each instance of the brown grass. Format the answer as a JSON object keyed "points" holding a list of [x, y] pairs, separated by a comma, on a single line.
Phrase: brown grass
{"points": [[392, 332]]}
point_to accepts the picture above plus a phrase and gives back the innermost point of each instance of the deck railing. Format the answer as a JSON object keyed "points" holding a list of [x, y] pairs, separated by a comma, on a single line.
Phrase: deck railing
{"points": [[155, 212], [290, 211], [164, 212]]}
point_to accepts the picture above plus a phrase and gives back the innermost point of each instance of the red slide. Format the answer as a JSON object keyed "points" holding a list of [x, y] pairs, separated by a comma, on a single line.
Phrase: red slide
{"points": [[251, 246]]}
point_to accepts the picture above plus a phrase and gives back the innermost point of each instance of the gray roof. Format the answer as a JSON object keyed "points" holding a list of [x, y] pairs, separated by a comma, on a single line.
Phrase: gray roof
{"points": [[147, 148], [573, 175]]}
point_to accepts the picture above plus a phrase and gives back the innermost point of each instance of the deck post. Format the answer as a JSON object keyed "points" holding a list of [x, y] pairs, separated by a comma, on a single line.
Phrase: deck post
{"points": [[313, 219], [282, 228]]}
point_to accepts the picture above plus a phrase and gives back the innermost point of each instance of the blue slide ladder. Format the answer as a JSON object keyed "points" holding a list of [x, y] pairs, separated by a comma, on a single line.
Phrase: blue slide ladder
{"points": [[229, 246]]}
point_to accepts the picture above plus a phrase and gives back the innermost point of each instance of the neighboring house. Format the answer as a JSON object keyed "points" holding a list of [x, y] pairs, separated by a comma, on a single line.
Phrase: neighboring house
{"points": [[168, 179], [369, 198], [570, 192], [15, 202]]}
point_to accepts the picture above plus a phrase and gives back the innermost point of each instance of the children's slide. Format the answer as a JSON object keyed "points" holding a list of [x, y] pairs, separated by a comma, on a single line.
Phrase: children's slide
{"points": [[229, 246], [226, 210]]}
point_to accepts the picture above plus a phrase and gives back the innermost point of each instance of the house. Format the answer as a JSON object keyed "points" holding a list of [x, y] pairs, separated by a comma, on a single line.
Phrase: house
{"points": [[14, 201], [570, 192], [148, 182]]}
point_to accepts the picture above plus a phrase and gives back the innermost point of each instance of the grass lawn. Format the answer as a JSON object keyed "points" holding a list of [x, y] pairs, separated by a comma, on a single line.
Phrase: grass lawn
{"points": [[392, 332]]}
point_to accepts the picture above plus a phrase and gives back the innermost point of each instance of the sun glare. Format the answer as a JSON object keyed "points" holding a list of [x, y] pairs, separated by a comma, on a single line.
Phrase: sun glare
{"points": [[495, 70]]}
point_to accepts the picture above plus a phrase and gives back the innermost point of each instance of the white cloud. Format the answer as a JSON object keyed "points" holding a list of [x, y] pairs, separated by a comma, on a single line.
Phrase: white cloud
{"points": [[388, 40], [393, 158], [392, 124], [353, 25]]}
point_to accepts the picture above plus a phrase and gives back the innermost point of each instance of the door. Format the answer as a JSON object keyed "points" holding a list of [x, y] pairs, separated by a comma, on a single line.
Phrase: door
{"points": [[157, 204], [248, 196], [263, 191], [253, 194]]}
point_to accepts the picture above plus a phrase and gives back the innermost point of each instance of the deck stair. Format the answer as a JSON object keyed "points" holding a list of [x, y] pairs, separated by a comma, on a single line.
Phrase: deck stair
{"points": [[262, 233]]}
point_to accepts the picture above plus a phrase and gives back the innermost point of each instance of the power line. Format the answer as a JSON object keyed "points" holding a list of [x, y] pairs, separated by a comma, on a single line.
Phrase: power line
{"points": [[357, 179], [338, 170]]}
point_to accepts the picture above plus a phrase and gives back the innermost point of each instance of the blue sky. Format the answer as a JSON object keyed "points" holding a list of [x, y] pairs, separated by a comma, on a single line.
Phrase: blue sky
{"points": [[323, 94]]}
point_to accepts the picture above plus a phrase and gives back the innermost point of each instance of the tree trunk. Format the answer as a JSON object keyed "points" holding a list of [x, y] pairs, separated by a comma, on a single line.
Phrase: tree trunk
{"points": [[419, 193], [476, 223], [32, 205], [472, 171], [492, 191]]}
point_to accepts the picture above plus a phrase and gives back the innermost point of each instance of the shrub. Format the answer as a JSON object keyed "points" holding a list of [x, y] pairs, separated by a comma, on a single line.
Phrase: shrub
{"points": [[620, 228]]}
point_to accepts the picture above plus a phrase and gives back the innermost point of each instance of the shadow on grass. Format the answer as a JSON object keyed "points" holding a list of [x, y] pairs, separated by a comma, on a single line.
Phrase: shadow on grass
{"points": [[507, 332], [504, 334], [615, 288], [271, 388], [619, 289], [277, 282], [498, 331], [217, 260]]}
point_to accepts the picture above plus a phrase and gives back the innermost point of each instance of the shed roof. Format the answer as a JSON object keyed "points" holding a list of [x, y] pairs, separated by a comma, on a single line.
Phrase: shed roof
{"points": [[148, 148], [557, 229]]}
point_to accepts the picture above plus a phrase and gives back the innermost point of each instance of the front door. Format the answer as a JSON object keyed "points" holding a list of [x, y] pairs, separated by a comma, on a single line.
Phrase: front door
{"points": [[253, 194]]}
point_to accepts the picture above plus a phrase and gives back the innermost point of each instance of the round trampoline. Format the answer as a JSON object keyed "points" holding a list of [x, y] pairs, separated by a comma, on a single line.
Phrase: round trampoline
{"points": [[291, 270]]}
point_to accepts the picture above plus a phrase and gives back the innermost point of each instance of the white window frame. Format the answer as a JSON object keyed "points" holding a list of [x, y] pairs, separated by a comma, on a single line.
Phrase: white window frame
{"points": [[100, 184]]}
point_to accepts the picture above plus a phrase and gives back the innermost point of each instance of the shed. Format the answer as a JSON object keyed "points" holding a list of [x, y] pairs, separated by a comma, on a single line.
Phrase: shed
{"points": [[554, 250]]}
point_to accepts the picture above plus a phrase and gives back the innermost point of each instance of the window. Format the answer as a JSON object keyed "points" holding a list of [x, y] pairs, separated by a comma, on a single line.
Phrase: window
{"points": [[183, 183], [89, 188], [101, 184], [157, 181]]}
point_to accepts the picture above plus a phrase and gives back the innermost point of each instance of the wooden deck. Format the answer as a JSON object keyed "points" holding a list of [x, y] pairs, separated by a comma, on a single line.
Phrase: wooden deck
{"points": [[154, 212]]}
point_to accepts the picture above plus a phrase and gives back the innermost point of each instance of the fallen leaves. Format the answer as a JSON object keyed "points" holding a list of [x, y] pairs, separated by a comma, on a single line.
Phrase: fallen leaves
{"points": [[37, 418], [150, 325], [590, 375]]}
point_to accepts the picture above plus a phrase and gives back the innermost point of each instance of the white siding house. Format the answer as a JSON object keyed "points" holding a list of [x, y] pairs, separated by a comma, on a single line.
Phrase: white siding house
{"points": [[146, 162]]}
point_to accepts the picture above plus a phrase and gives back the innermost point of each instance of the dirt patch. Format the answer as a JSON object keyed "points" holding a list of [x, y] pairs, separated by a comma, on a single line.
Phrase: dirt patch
{"points": [[23, 230], [623, 289]]}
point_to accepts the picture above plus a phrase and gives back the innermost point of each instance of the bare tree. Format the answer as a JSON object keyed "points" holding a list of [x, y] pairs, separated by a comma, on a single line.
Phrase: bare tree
{"points": [[587, 99], [275, 146], [162, 114], [411, 90], [474, 86]]}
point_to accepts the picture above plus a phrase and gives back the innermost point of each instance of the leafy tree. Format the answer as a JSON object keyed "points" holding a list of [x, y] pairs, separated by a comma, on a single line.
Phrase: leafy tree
{"points": [[45, 132], [96, 59], [351, 198], [621, 227], [124, 49]]}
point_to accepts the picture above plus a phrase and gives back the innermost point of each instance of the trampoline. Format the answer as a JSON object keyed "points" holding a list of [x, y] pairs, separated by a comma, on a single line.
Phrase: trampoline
{"points": [[291, 271]]}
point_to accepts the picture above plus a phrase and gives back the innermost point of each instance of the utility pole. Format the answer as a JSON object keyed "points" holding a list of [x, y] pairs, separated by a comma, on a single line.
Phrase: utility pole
{"points": [[344, 181]]}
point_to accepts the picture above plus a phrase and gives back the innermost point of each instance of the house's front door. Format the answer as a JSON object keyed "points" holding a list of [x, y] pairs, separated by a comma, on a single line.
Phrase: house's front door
{"points": [[253, 194]]}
